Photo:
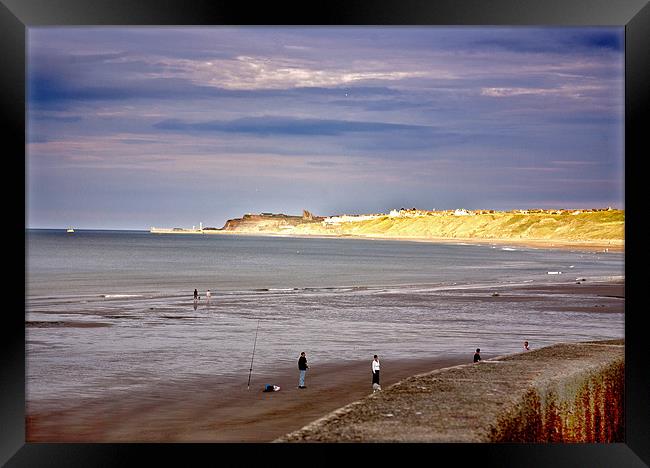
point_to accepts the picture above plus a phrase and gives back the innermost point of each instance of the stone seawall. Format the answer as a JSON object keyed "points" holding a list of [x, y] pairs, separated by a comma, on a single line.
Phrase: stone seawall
{"points": [[583, 407], [563, 393]]}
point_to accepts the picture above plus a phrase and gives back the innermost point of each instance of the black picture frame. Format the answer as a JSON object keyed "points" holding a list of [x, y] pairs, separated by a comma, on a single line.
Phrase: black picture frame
{"points": [[16, 16]]}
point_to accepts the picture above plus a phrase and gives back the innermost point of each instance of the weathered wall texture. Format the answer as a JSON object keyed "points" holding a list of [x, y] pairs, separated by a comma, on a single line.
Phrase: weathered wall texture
{"points": [[583, 407]]}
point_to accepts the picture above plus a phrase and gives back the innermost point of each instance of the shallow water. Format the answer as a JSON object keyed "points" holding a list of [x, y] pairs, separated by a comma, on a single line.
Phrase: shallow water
{"points": [[335, 299]]}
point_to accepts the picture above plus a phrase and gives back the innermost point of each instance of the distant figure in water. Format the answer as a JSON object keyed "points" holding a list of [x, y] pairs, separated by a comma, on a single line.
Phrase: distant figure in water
{"points": [[196, 295], [526, 348], [207, 295], [477, 355], [375, 374]]}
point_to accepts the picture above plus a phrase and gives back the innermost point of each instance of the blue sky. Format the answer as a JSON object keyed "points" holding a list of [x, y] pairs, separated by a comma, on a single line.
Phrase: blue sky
{"points": [[143, 126]]}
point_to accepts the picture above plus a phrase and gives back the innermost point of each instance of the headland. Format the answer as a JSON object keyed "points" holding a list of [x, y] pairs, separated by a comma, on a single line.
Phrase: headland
{"points": [[599, 229]]}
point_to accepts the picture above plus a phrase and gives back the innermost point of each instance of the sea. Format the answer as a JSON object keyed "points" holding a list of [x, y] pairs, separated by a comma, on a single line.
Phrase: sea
{"points": [[112, 312]]}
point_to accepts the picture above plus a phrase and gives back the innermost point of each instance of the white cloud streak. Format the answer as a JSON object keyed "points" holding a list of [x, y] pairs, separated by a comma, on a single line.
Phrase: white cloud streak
{"points": [[576, 92], [249, 73]]}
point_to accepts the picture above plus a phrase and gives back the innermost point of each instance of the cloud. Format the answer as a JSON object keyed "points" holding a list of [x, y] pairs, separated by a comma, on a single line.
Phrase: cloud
{"points": [[57, 118], [245, 72], [285, 126], [610, 40], [48, 88], [537, 41], [576, 163], [568, 91], [108, 57], [36, 138]]}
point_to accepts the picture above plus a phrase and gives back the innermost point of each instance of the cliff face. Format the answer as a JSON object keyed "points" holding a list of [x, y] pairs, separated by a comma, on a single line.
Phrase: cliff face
{"points": [[268, 222]]}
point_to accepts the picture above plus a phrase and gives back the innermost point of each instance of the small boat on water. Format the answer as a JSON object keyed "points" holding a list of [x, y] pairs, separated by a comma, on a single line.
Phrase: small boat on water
{"points": [[70, 230]]}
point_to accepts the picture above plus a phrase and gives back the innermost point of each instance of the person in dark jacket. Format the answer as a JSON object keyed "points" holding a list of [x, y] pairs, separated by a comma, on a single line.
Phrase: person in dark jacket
{"points": [[477, 355], [302, 367]]}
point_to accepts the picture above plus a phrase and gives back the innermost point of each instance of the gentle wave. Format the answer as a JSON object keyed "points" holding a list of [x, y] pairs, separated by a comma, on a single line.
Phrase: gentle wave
{"points": [[325, 290], [113, 296]]}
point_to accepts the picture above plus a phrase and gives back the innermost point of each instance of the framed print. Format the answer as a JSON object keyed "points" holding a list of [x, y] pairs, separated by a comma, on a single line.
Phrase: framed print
{"points": [[235, 217]]}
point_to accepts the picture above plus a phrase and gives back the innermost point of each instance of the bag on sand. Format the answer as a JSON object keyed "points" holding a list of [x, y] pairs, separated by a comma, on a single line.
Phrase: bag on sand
{"points": [[376, 387]]}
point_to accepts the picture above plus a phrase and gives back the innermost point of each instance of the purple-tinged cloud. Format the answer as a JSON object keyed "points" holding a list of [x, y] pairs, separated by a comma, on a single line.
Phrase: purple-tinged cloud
{"points": [[227, 120]]}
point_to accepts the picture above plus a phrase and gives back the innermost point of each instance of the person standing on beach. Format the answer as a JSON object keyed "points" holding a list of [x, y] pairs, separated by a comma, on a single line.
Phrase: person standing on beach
{"points": [[526, 348], [477, 355], [375, 370], [302, 368], [207, 295], [196, 295]]}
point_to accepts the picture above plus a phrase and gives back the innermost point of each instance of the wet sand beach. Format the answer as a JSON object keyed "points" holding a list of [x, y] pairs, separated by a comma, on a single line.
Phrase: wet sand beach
{"points": [[607, 297], [212, 410]]}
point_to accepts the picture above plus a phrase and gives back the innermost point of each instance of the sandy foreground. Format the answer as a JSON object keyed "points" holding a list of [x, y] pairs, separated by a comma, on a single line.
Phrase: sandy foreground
{"points": [[210, 410]]}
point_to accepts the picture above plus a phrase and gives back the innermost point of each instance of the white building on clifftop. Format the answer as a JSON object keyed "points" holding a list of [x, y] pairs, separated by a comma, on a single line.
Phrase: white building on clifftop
{"points": [[349, 219]]}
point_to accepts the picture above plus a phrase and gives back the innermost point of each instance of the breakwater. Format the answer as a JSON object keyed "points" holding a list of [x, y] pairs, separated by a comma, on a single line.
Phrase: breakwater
{"points": [[570, 392]]}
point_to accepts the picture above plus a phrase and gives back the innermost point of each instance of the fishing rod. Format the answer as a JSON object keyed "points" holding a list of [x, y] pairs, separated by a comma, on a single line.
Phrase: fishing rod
{"points": [[254, 344]]}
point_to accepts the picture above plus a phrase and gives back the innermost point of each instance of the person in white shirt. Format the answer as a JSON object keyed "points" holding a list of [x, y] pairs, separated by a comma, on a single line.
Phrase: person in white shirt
{"points": [[208, 294], [375, 372]]}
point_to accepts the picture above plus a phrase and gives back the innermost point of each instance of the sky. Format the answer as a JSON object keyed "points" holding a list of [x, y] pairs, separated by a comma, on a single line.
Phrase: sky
{"points": [[134, 127]]}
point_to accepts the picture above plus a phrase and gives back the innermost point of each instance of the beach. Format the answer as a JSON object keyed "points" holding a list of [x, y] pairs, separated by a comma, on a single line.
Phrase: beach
{"points": [[209, 411], [216, 410], [604, 245]]}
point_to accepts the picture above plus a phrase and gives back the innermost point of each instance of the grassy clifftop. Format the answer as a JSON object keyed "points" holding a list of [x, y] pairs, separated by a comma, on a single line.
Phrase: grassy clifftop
{"points": [[601, 226]]}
